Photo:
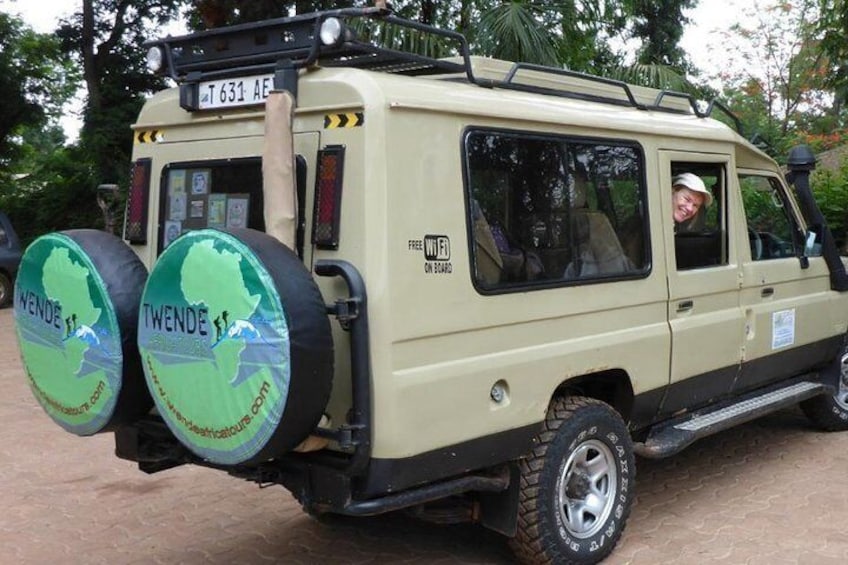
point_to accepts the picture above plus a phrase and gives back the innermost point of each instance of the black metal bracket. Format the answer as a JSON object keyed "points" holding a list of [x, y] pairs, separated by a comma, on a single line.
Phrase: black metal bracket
{"points": [[346, 310], [354, 311]]}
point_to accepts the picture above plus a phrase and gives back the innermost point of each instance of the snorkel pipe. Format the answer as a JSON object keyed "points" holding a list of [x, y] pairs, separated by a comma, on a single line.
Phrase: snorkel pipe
{"points": [[801, 163]]}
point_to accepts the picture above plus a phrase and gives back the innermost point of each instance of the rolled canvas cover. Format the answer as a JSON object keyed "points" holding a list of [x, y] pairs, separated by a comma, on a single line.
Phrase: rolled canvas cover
{"points": [[278, 169]]}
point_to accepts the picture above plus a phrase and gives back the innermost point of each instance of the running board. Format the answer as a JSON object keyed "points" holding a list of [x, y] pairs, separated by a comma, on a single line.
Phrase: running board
{"points": [[668, 438]]}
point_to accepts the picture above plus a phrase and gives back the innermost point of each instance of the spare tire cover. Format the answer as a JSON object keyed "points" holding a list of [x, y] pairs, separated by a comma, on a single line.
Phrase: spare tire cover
{"points": [[76, 314], [236, 345]]}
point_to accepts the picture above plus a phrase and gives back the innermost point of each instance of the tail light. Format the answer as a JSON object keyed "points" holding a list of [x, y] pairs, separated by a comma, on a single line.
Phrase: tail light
{"points": [[328, 197], [135, 216]]}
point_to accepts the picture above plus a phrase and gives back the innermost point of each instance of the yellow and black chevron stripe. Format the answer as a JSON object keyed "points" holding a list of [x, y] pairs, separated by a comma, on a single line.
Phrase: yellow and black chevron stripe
{"points": [[349, 120], [148, 136]]}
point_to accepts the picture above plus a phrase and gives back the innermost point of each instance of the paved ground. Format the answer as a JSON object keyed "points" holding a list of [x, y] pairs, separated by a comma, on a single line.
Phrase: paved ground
{"points": [[770, 492]]}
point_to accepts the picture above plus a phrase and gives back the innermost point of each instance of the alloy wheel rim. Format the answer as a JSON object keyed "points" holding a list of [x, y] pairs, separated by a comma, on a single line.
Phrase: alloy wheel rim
{"points": [[586, 488]]}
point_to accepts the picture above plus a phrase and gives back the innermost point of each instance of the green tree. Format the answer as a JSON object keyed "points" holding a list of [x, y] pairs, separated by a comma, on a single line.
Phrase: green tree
{"points": [[833, 29], [35, 81], [779, 81], [659, 24], [105, 38]]}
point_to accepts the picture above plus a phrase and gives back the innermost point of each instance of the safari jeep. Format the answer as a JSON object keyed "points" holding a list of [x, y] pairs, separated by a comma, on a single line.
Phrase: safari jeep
{"points": [[384, 280]]}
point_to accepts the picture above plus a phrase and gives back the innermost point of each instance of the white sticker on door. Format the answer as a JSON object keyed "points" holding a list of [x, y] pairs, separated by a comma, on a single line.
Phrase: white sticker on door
{"points": [[782, 328]]}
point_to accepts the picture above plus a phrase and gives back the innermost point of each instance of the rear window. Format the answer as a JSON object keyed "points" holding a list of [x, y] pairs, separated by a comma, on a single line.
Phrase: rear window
{"points": [[218, 194]]}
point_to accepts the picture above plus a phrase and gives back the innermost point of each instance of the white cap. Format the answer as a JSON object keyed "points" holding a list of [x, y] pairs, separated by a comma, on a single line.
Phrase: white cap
{"points": [[694, 183]]}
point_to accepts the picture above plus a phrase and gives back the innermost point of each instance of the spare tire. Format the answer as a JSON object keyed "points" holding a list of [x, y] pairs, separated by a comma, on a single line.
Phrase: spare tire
{"points": [[236, 345], [76, 312]]}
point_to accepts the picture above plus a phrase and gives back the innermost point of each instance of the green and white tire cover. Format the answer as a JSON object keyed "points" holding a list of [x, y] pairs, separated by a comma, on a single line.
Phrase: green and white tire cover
{"points": [[235, 344], [76, 306]]}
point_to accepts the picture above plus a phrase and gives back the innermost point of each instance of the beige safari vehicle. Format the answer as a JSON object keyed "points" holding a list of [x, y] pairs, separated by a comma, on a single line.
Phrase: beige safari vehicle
{"points": [[388, 281]]}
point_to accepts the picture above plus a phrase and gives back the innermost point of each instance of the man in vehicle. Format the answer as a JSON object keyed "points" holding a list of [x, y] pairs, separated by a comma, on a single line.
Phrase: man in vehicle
{"points": [[688, 195]]}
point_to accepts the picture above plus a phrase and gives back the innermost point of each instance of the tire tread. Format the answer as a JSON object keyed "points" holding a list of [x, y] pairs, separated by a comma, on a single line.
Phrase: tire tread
{"points": [[528, 543]]}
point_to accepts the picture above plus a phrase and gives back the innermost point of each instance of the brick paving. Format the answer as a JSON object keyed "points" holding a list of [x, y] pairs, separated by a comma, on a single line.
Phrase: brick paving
{"points": [[770, 492]]}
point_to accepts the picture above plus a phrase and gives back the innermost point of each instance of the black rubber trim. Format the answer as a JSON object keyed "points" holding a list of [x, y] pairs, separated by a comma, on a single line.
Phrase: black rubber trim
{"points": [[393, 475], [785, 364]]}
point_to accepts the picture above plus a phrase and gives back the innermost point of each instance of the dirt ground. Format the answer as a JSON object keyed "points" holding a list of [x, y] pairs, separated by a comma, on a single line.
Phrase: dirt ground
{"points": [[770, 492]]}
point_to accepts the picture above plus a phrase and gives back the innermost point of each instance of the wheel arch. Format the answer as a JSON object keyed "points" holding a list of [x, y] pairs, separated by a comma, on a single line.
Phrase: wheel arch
{"points": [[612, 386]]}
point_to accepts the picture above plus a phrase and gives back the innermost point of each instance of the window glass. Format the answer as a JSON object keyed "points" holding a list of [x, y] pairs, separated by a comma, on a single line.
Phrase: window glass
{"points": [[218, 195], [547, 210], [4, 239], [771, 232], [701, 241]]}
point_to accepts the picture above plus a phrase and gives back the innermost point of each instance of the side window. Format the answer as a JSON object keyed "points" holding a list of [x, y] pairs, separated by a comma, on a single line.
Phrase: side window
{"points": [[547, 210], [772, 233], [699, 210], [4, 239]]}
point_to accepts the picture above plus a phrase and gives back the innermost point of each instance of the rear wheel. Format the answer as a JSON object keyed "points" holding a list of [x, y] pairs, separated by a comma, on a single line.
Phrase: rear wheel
{"points": [[830, 412], [576, 488]]}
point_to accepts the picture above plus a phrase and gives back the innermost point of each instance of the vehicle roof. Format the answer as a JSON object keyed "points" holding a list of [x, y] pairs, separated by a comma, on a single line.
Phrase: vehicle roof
{"points": [[550, 99]]}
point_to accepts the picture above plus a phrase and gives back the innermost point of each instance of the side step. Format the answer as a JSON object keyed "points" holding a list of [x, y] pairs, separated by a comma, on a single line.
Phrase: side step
{"points": [[670, 437]]}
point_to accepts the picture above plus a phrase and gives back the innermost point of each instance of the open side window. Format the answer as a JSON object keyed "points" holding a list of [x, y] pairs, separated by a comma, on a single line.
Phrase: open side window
{"points": [[702, 241]]}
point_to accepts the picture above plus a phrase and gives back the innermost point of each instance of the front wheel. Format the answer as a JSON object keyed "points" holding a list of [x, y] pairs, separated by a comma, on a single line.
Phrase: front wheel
{"points": [[830, 412], [576, 488]]}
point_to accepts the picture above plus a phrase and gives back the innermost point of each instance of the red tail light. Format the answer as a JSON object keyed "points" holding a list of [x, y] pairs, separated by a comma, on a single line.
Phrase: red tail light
{"points": [[328, 197], [135, 216]]}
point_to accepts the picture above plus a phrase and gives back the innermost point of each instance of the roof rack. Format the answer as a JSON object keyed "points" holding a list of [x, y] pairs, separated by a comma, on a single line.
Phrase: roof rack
{"points": [[267, 46], [260, 47]]}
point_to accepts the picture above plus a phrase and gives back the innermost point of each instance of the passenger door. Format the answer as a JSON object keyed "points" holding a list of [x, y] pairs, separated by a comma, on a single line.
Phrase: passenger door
{"points": [[703, 283], [786, 307]]}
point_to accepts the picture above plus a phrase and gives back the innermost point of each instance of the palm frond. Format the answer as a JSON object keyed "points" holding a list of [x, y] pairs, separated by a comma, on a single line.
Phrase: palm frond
{"points": [[653, 75]]}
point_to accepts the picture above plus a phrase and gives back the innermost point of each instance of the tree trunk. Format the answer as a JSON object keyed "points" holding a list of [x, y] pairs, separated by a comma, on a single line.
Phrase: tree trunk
{"points": [[428, 12], [90, 75]]}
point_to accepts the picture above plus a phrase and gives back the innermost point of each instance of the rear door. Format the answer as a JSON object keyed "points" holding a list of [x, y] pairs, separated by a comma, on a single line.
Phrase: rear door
{"points": [[786, 307], [703, 282]]}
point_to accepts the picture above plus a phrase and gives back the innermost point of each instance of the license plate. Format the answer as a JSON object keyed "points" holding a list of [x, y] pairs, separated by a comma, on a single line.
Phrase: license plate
{"points": [[234, 92]]}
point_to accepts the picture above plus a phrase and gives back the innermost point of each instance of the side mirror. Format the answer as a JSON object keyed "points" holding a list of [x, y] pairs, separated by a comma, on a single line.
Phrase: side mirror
{"points": [[812, 245], [813, 241]]}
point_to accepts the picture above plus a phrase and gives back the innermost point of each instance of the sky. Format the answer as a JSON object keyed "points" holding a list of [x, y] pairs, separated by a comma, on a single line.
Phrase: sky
{"points": [[699, 39]]}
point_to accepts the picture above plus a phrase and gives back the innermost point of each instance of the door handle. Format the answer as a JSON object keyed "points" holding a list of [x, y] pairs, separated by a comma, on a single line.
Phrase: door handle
{"points": [[768, 291], [685, 305]]}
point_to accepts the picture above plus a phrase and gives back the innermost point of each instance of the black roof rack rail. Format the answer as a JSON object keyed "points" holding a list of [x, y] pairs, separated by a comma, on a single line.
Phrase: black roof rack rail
{"points": [[510, 82], [716, 103], [675, 94], [294, 42]]}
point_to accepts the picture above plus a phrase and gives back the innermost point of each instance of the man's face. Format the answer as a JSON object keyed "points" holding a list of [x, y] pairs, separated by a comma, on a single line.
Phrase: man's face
{"points": [[685, 203]]}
